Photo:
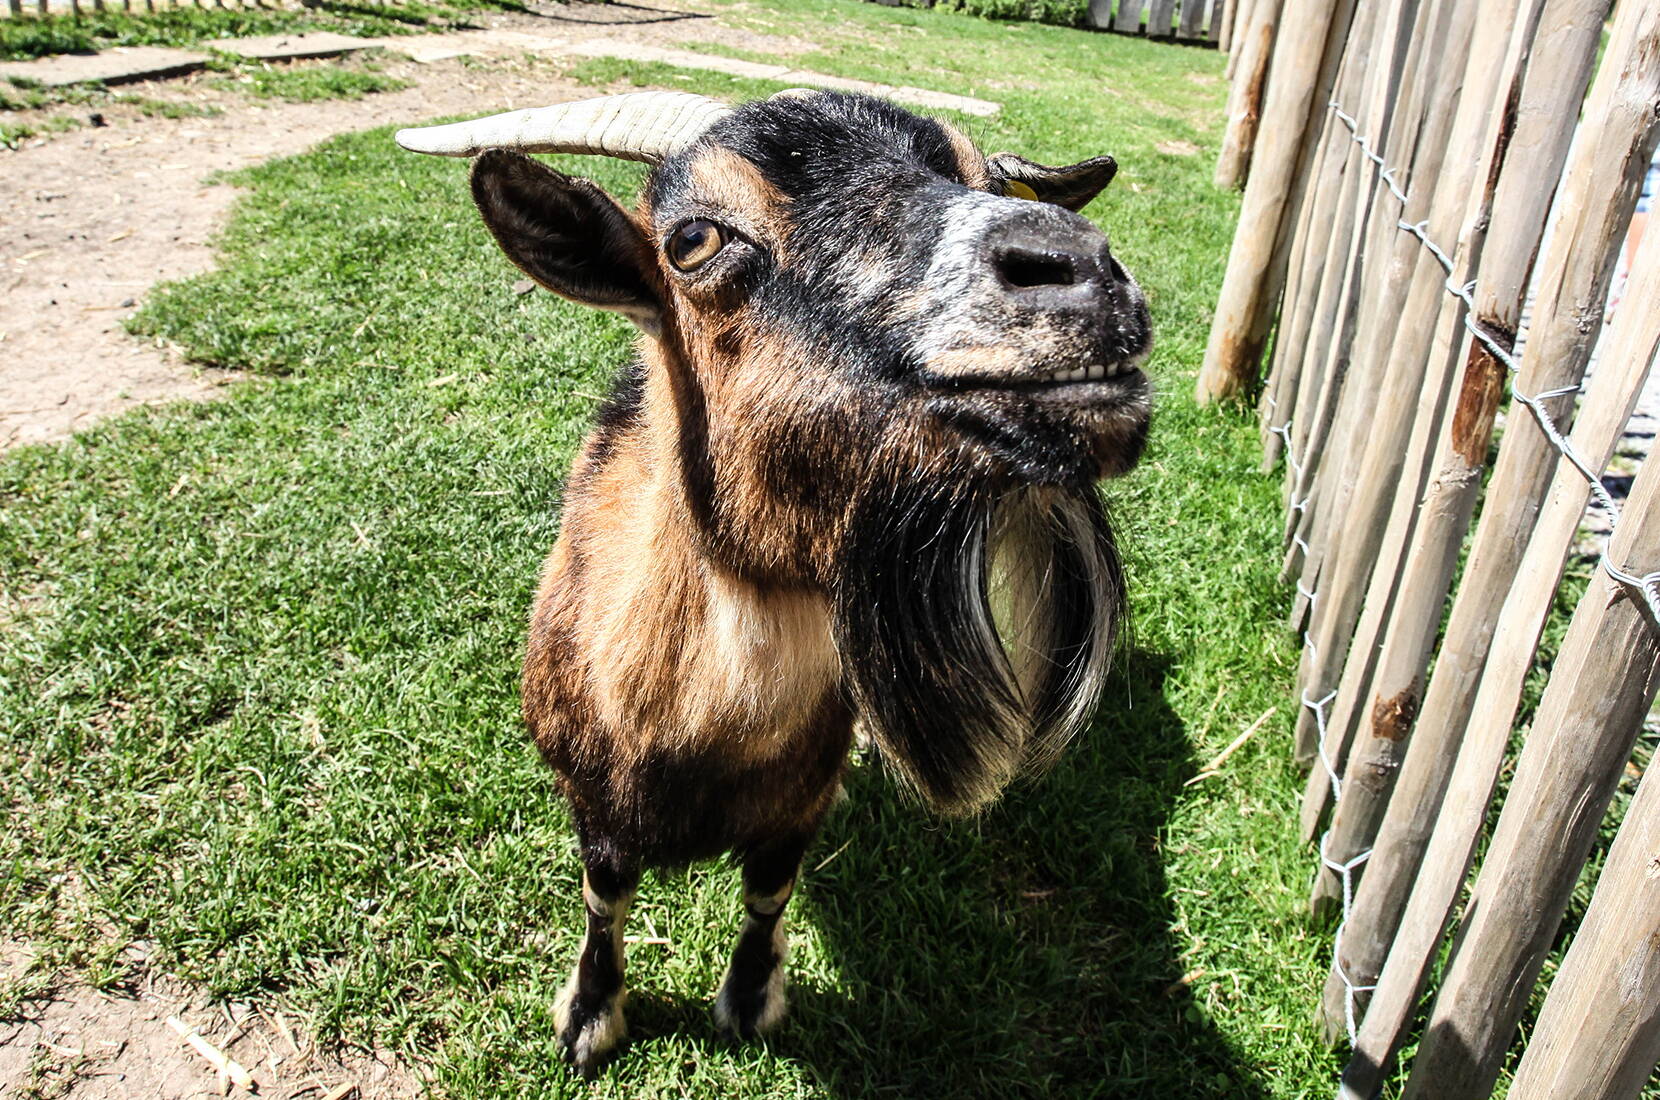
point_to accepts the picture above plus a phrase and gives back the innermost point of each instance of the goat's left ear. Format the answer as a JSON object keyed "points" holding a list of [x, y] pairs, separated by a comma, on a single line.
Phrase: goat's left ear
{"points": [[1072, 186], [568, 235]]}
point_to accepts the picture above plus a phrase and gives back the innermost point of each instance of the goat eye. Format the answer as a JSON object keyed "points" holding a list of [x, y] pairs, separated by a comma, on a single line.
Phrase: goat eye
{"points": [[695, 244]]}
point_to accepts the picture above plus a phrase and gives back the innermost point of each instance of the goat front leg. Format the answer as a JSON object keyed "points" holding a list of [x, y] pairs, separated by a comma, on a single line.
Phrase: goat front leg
{"points": [[751, 998], [589, 1013]]}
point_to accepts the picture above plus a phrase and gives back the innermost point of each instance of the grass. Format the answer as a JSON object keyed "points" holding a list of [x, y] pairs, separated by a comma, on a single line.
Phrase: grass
{"points": [[296, 82], [311, 83], [257, 669], [37, 36]]}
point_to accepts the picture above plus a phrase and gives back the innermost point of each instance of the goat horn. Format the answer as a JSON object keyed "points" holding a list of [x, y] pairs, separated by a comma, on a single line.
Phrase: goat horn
{"points": [[643, 126]]}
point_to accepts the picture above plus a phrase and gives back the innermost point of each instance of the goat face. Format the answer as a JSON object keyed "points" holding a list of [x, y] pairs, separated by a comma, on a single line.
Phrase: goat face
{"points": [[838, 278]]}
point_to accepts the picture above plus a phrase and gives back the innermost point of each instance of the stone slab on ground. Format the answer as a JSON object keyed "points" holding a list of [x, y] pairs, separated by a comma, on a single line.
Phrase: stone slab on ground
{"points": [[688, 59], [442, 47], [429, 48], [290, 47], [120, 65]]}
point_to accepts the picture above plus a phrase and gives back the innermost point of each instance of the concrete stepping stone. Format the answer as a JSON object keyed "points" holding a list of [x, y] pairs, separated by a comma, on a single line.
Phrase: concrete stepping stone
{"points": [[121, 65], [688, 59], [290, 47]]}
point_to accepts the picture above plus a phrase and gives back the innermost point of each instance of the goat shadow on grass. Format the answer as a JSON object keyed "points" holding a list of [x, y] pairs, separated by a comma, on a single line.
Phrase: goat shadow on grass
{"points": [[1025, 953]]}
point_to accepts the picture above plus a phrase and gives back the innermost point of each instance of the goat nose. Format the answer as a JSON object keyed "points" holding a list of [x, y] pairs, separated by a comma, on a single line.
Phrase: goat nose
{"points": [[1048, 259], [1021, 266]]}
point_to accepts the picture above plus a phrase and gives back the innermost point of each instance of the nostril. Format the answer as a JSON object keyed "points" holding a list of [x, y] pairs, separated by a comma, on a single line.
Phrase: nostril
{"points": [[1117, 269], [1021, 267]]}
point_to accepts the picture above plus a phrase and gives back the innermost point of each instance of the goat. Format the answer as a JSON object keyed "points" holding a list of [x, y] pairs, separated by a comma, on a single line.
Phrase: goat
{"points": [[875, 387]]}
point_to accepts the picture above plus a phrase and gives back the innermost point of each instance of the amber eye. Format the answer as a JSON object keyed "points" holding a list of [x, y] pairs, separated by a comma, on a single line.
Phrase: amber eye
{"points": [[695, 244]]}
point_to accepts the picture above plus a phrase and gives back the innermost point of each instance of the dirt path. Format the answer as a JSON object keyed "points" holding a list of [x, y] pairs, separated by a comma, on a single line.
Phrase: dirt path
{"points": [[89, 1045], [91, 218]]}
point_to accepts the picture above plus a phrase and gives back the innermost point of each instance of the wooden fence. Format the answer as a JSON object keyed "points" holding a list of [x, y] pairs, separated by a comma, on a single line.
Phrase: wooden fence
{"points": [[1183, 20], [1418, 174], [1196, 21]]}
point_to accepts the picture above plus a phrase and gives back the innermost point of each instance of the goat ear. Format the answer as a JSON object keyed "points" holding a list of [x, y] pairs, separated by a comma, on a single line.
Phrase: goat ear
{"points": [[1072, 186], [568, 235]]}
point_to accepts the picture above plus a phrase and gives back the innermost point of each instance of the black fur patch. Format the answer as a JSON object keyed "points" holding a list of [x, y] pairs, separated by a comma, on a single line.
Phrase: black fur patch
{"points": [[678, 808], [909, 603]]}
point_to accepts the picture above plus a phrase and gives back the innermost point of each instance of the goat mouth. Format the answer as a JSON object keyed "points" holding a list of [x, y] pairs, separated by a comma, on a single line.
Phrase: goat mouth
{"points": [[1097, 382]]}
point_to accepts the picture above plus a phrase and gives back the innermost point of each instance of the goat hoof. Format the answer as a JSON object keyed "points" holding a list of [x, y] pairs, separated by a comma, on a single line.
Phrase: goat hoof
{"points": [[752, 1012], [588, 1036]]}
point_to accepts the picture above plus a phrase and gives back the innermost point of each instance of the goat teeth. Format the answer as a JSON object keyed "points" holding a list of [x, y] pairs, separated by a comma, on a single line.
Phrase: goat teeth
{"points": [[1097, 372], [1077, 375]]}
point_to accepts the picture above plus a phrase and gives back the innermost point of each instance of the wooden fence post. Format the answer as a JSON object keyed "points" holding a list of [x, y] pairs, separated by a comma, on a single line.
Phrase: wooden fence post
{"points": [[1392, 646], [1161, 19], [1594, 203], [1128, 19], [1245, 94], [1283, 396], [1419, 128], [1598, 1036], [1226, 12], [1355, 527], [1193, 20], [1237, 22], [1305, 64], [1602, 685]]}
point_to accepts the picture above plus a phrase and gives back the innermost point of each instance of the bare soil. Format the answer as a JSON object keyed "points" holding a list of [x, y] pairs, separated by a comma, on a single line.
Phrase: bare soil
{"points": [[79, 1042], [93, 217]]}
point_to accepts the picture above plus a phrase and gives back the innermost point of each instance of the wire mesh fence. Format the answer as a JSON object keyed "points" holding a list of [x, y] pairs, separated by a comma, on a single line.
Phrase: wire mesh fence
{"points": [[1420, 176]]}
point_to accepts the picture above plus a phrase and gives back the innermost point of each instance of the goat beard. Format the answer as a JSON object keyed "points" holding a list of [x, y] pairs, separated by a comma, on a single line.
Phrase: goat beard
{"points": [[976, 627]]}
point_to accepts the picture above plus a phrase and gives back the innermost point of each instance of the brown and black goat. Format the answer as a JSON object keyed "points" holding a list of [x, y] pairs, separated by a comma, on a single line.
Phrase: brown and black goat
{"points": [[876, 386]]}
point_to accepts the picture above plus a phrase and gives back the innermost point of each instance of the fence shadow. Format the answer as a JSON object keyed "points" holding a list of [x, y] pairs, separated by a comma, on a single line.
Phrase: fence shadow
{"points": [[1023, 954]]}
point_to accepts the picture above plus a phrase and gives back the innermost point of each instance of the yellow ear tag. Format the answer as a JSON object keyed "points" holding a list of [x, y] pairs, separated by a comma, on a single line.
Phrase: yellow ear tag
{"points": [[1019, 190]]}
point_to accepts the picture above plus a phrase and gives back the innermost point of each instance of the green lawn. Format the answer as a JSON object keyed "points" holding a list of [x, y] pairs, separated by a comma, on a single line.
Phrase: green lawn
{"points": [[258, 662], [36, 36]]}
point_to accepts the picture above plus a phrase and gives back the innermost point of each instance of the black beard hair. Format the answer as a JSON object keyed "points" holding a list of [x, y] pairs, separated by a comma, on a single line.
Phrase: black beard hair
{"points": [[929, 668]]}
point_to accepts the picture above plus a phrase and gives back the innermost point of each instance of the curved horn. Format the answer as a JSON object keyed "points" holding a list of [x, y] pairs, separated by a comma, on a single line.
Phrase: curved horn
{"points": [[643, 126]]}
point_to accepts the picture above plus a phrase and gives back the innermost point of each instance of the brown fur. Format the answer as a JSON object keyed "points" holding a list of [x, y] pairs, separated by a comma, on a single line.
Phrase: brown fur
{"points": [[644, 649], [732, 185], [971, 163], [784, 513]]}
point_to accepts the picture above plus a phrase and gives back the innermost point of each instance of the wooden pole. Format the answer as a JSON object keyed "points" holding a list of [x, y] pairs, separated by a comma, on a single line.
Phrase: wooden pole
{"points": [[1281, 396], [1543, 96], [1598, 1036], [1128, 19], [1161, 18], [1193, 20], [1462, 810], [1237, 24], [1384, 418], [1367, 74], [1594, 203], [1245, 95], [1601, 687], [1256, 263], [1420, 126]]}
